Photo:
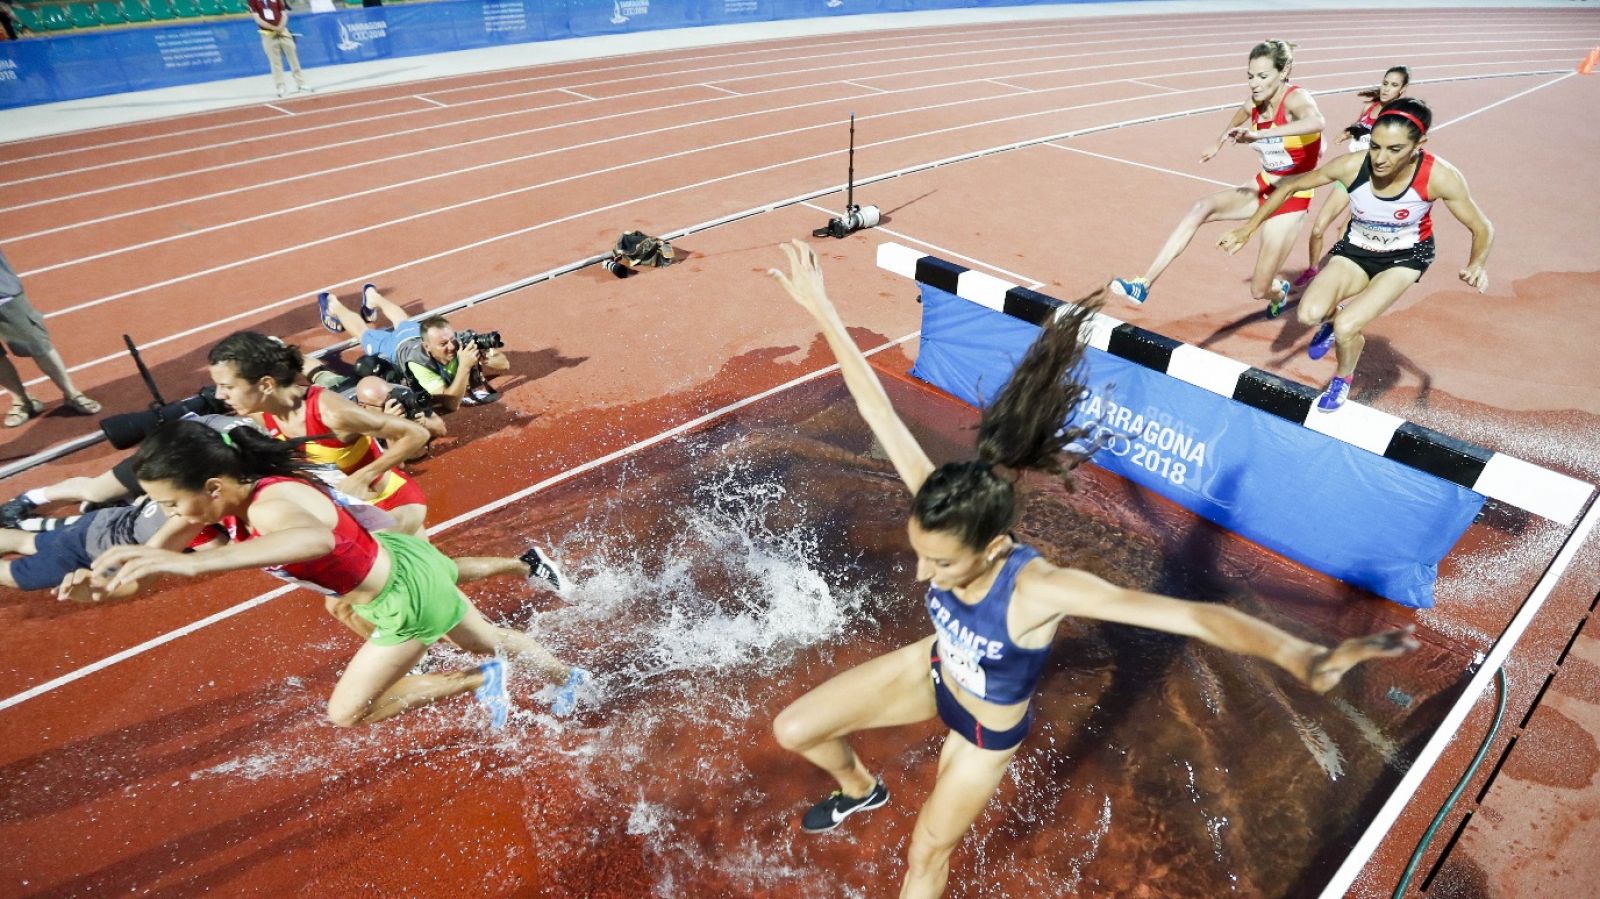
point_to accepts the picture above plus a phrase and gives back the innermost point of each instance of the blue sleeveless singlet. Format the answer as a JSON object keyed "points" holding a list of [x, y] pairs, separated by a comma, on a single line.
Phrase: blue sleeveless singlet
{"points": [[974, 646]]}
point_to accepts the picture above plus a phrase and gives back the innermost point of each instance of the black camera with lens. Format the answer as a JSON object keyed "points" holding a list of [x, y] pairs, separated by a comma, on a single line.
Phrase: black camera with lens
{"points": [[129, 428], [414, 404], [485, 340]]}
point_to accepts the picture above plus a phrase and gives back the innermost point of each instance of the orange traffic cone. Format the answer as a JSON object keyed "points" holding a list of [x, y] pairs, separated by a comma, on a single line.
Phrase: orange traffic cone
{"points": [[1587, 66]]}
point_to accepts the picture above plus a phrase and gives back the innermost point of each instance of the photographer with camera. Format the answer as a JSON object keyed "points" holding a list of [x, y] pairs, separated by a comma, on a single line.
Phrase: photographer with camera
{"points": [[257, 375], [375, 385], [453, 367]]}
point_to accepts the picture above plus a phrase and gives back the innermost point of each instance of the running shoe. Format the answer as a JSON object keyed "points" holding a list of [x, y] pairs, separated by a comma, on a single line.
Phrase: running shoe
{"points": [[1305, 277], [1334, 397], [1275, 307], [493, 695], [328, 320], [1321, 342], [831, 812], [567, 697], [369, 313], [12, 511], [479, 396], [1133, 290], [543, 568]]}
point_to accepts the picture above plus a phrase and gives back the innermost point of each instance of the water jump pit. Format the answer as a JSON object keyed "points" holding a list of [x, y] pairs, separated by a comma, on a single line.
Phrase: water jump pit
{"points": [[717, 578]]}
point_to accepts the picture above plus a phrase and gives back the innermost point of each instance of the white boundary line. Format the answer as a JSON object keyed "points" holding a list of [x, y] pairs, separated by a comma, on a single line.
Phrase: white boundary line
{"points": [[1406, 790], [430, 100], [1153, 168], [911, 37], [1024, 280], [255, 141], [154, 642], [918, 167]]}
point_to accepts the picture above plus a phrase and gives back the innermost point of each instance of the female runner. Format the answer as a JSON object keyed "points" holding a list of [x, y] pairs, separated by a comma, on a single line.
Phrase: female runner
{"points": [[257, 375], [1359, 138], [277, 520], [994, 603], [1286, 129], [1388, 243]]}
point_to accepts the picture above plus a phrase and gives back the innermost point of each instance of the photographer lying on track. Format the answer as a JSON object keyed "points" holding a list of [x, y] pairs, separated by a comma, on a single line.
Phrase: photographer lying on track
{"points": [[451, 366], [378, 393]]}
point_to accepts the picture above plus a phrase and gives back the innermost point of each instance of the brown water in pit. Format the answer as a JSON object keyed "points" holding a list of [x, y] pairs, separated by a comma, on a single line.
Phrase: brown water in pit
{"points": [[722, 576]]}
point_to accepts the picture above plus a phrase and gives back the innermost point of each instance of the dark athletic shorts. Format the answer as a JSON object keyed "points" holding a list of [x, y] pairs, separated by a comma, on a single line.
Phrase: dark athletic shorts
{"points": [[56, 554], [1418, 257], [956, 717]]}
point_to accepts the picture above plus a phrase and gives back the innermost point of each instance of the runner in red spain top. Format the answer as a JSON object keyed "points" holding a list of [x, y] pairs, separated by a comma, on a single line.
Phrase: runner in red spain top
{"points": [[1285, 127], [1389, 241]]}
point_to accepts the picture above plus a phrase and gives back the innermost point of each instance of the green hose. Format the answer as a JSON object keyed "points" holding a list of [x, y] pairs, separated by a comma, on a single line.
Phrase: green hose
{"points": [[1438, 819]]}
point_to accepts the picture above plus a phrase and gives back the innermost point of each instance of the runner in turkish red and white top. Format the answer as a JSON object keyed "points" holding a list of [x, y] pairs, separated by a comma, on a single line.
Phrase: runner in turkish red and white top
{"points": [[1389, 241]]}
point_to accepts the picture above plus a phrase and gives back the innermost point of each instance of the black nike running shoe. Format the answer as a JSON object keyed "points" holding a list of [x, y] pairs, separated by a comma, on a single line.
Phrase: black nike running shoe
{"points": [[831, 812]]}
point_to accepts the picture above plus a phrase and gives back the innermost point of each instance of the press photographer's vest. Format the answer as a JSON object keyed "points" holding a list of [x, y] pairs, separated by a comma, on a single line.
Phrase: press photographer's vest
{"points": [[412, 352]]}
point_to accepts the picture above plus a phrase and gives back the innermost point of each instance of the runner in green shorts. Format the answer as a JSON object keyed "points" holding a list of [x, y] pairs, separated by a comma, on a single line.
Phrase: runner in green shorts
{"points": [[399, 590]]}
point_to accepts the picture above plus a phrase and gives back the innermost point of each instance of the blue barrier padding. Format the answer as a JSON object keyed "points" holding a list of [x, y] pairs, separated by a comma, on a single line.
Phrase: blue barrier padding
{"points": [[70, 66], [1366, 520]]}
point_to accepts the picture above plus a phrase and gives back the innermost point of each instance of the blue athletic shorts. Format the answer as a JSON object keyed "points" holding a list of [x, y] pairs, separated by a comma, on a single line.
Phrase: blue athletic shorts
{"points": [[384, 341], [56, 554], [956, 717]]}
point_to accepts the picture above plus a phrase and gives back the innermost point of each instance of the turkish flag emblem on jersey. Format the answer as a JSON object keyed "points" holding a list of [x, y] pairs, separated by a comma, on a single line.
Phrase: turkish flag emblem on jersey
{"points": [[1402, 214]]}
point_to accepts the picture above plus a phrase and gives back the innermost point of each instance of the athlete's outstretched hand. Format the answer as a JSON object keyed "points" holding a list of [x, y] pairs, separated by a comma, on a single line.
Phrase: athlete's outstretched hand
{"points": [[1326, 668], [123, 565], [804, 281], [1476, 276], [1234, 240]]}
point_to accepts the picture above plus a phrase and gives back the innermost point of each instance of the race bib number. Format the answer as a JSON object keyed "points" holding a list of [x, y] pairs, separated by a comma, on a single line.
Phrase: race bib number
{"points": [[962, 667], [1274, 156], [1378, 240]]}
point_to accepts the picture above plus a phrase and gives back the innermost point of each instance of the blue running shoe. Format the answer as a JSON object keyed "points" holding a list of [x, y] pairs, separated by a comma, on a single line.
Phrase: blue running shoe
{"points": [[328, 321], [1334, 397], [369, 313], [493, 695], [1275, 306], [567, 697], [1134, 290], [1321, 342]]}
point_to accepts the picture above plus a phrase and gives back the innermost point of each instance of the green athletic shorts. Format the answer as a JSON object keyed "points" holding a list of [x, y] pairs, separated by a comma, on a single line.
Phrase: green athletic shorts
{"points": [[420, 601]]}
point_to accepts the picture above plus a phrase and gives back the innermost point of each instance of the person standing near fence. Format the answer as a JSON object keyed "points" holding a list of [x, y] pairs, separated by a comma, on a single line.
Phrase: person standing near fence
{"points": [[22, 330], [272, 19]]}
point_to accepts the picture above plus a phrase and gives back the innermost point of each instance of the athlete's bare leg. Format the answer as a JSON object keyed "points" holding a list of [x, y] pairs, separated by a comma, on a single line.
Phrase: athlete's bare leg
{"points": [[968, 779], [1360, 311], [1233, 204]]}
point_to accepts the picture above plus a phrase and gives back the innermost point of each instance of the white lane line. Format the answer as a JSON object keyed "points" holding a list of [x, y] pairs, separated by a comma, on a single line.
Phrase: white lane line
{"points": [[322, 149], [1449, 728], [713, 87], [938, 163], [223, 615], [1025, 90], [830, 69], [278, 108], [1024, 280], [1343, 21], [1148, 84], [430, 100], [481, 166], [568, 90], [1153, 168], [865, 87], [1530, 90]]}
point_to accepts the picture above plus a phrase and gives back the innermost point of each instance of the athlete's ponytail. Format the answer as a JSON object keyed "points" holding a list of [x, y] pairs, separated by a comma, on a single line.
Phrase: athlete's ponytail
{"points": [[1280, 52], [186, 454], [1023, 428]]}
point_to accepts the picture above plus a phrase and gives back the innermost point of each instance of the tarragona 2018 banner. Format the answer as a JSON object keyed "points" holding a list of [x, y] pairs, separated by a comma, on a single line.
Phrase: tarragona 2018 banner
{"points": [[46, 69], [1338, 509]]}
